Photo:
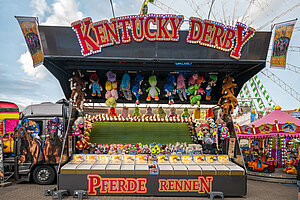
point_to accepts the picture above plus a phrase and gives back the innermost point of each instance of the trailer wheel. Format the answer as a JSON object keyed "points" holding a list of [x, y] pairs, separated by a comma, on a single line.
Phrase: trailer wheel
{"points": [[43, 175]]}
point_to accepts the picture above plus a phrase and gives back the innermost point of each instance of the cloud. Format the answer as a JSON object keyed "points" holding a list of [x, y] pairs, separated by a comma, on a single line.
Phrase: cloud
{"points": [[63, 12], [40, 7], [27, 65]]}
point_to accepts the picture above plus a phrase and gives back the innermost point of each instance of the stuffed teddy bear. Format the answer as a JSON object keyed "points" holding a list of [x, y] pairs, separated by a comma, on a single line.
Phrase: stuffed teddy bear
{"points": [[111, 86], [77, 80], [228, 101], [181, 88], [136, 88], [169, 88], [210, 83], [185, 112], [95, 86], [124, 112], [173, 112], [193, 79], [77, 97], [153, 91], [125, 87], [161, 112], [112, 112], [149, 112], [136, 112], [111, 102]]}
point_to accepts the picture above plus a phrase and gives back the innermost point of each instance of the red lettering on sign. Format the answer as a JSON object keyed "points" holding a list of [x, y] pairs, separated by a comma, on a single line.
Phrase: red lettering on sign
{"points": [[137, 30], [93, 183], [175, 27], [123, 24], [229, 38], [161, 27], [207, 32], [218, 33], [195, 31], [148, 34]]}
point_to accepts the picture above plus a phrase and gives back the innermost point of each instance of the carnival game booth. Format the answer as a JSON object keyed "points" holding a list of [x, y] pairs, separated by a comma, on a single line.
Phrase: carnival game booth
{"points": [[143, 69], [273, 133]]}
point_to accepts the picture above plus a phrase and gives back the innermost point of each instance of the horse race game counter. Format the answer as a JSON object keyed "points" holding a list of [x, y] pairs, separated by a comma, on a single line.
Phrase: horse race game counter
{"points": [[174, 175]]}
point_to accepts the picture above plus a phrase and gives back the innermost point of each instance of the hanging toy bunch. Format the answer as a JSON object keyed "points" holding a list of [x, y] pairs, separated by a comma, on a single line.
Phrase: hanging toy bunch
{"points": [[95, 86], [169, 88], [210, 83], [153, 91], [77, 85], [111, 89], [125, 87], [88, 126], [181, 88], [77, 131], [136, 88], [149, 112], [195, 91], [228, 101]]}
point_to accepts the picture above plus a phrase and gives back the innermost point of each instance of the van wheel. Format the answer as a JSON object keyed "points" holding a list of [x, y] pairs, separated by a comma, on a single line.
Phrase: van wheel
{"points": [[43, 175]]}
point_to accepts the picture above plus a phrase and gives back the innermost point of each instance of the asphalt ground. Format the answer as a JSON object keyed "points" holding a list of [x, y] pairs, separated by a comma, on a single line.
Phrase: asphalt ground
{"points": [[257, 190]]}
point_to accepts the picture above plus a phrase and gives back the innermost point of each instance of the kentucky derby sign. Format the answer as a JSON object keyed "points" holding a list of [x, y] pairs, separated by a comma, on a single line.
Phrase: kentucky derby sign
{"points": [[93, 37]]}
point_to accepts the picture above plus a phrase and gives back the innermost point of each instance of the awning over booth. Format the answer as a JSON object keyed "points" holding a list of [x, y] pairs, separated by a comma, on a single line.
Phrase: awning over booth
{"points": [[276, 123], [62, 56]]}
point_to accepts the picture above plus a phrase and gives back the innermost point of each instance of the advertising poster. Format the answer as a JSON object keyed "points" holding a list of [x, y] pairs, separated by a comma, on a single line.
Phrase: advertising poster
{"points": [[282, 37], [29, 27], [1, 153]]}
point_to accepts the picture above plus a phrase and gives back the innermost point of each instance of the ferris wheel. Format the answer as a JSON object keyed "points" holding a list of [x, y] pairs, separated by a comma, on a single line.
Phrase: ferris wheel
{"points": [[260, 14]]}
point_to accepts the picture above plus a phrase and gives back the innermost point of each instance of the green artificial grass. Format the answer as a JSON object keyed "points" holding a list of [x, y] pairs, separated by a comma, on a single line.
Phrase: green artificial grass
{"points": [[136, 132]]}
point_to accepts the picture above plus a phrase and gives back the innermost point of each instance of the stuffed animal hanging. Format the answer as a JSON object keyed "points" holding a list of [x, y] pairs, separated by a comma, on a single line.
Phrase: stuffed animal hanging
{"points": [[195, 89], [185, 112], [112, 112], [210, 83], [111, 102], [125, 87], [224, 133], [193, 79], [77, 85], [161, 112], [228, 101], [136, 88], [149, 112], [111, 86], [169, 88], [173, 112], [95, 86], [181, 88], [124, 112], [153, 91], [136, 112]]}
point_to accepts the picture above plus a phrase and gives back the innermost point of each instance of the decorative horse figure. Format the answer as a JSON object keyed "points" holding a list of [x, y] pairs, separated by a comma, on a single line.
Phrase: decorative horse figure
{"points": [[52, 148], [33, 148]]}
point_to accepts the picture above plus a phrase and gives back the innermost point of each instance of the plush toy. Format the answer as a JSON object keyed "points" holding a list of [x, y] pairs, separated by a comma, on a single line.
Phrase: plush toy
{"points": [[78, 97], [124, 112], [181, 88], [153, 91], [111, 102], [211, 82], [112, 112], [290, 168], [195, 100], [77, 80], [209, 113], [224, 133], [228, 101], [125, 87], [161, 112], [88, 126], [197, 113], [169, 87], [149, 112], [185, 112], [111, 86], [136, 112], [136, 88], [79, 145], [95, 86], [173, 112], [193, 79]]}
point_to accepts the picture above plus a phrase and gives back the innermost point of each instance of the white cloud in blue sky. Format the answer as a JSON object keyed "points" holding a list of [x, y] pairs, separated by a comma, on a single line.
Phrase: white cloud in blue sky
{"points": [[23, 84]]}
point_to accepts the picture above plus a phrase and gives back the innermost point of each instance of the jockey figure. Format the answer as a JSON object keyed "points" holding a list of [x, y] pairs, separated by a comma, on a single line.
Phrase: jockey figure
{"points": [[55, 125], [31, 127]]}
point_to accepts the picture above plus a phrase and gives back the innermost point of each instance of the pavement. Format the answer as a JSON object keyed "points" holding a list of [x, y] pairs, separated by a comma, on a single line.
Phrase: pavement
{"points": [[257, 190]]}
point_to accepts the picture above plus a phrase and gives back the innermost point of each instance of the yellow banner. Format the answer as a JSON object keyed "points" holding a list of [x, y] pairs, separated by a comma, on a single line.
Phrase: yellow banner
{"points": [[282, 37], [29, 27]]}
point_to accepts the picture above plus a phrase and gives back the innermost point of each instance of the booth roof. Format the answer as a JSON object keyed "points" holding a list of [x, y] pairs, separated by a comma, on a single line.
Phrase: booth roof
{"points": [[278, 115]]}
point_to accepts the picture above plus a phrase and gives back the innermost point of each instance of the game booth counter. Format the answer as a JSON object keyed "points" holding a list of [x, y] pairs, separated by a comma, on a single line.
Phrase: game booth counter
{"points": [[143, 129]]}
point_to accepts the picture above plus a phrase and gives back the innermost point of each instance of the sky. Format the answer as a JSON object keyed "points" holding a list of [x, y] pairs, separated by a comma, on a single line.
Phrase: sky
{"points": [[24, 85]]}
